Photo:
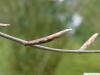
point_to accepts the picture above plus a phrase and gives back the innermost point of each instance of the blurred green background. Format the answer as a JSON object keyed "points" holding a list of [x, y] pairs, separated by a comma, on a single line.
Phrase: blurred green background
{"points": [[31, 19]]}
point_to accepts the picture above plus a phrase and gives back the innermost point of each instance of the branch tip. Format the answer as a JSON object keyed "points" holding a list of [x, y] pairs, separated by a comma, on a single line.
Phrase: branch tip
{"points": [[47, 38], [89, 41]]}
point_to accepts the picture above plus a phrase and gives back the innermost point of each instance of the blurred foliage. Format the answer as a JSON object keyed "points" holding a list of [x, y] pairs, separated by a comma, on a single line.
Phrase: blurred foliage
{"points": [[31, 19]]}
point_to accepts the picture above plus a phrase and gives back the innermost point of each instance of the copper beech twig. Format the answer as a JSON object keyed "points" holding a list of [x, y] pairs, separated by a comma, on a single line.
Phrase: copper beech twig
{"points": [[52, 37]]}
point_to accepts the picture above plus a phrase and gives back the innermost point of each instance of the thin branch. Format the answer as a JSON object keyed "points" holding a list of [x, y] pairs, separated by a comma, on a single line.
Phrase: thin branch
{"points": [[47, 38], [89, 41], [65, 51], [46, 48], [12, 38]]}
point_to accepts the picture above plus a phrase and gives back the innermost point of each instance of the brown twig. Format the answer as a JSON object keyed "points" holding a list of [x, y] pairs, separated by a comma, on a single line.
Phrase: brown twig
{"points": [[89, 41], [21, 41], [47, 38]]}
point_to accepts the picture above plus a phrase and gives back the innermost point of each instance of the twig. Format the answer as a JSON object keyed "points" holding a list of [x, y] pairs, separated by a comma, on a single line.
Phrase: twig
{"points": [[34, 43], [89, 41], [46, 48], [47, 38], [12, 38], [65, 51]]}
